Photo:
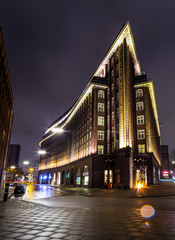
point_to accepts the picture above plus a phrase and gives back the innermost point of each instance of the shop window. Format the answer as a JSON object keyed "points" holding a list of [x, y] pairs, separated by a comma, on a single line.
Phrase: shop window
{"points": [[86, 176]]}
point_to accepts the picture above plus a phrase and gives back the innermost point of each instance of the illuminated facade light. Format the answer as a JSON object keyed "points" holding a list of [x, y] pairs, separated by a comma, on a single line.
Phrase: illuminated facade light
{"points": [[57, 130]]}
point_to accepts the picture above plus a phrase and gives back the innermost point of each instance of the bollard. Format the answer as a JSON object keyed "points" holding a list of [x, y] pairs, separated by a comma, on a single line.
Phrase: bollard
{"points": [[6, 191]]}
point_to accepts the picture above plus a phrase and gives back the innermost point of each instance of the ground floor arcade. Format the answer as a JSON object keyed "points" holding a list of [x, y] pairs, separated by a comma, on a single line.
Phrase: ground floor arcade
{"points": [[122, 170]]}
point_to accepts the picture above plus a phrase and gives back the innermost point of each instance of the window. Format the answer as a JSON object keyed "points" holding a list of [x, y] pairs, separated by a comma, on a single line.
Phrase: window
{"points": [[100, 149], [100, 94], [141, 134], [139, 106], [101, 107], [140, 119], [101, 121], [141, 148], [139, 93], [100, 135]]}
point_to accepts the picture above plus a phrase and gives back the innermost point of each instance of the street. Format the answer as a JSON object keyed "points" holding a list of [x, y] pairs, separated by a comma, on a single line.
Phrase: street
{"points": [[49, 212]]}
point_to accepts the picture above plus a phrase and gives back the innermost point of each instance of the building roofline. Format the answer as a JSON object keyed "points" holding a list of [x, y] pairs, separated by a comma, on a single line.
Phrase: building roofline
{"points": [[125, 33]]}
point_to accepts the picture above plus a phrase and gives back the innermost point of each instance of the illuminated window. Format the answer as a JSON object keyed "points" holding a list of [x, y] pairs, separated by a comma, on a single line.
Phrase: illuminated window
{"points": [[100, 135], [139, 93], [141, 134], [101, 107], [100, 149], [101, 121], [100, 94], [141, 148], [139, 106], [140, 119]]}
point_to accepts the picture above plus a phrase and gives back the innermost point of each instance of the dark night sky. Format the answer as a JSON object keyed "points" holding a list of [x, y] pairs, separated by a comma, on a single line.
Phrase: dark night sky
{"points": [[54, 47]]}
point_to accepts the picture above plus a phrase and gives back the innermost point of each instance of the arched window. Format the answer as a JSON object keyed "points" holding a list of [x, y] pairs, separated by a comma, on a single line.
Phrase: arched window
{"points": [[78, 176], [139, 93], [100, 94]]}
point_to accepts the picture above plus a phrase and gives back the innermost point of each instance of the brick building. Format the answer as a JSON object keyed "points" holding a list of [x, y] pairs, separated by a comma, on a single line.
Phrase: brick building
{"points": [[6, 110], [110, 136]]}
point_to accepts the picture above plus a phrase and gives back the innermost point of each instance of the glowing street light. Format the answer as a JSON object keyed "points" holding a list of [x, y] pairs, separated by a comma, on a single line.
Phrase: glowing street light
{"points": [[12, 167], [26, 162], [57, 130], [42, 152]]}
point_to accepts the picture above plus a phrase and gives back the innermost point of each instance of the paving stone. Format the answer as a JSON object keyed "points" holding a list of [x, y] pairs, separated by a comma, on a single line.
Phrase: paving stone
{"points": [[22, 230], [58, 235], [73, 237], [45, 234], [4, 233], [14, 235], [136, 234], [26, 237], [63, 230], [89, 234], [41, 238], [38, 228], [33, 232], [49, 229]]}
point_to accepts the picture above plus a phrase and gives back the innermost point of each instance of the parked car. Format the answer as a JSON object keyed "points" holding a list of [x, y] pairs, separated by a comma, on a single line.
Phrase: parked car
{"points": [[20, 188]]}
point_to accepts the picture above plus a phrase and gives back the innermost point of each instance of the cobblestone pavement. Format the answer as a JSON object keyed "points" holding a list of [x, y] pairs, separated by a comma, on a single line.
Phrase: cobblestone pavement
{"points": [[26, 220]]}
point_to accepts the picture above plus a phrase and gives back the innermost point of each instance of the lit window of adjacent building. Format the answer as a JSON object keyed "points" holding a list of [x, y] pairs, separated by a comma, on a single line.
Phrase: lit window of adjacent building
{"points": [[100, 135], [141, 134], [140, 119], [100, 149], [141, 148], [139, 93], [139, 106], [101, 94], [101, 107], [101, 121]]}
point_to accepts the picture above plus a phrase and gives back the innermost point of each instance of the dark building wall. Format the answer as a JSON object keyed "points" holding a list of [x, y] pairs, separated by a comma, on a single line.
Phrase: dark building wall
{"points": [[6, 109], [13, 155], [164, 157]]}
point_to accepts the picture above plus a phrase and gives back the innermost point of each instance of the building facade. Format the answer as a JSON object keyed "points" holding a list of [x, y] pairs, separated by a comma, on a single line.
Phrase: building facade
{"points": [[13, 155], [110, 137], [6, 110]]}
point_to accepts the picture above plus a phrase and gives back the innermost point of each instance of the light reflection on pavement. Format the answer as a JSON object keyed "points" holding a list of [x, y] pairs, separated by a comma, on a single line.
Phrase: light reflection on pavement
{"points": [[39, 192]]}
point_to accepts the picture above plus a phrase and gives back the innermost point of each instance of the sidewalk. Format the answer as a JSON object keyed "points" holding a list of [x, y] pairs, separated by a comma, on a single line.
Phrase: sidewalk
{"points": [[158, 190]]}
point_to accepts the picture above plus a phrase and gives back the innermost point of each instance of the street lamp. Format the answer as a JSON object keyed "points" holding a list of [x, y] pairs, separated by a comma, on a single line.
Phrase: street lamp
{"points": [[12, 167], [26, 162], [42, 152]]}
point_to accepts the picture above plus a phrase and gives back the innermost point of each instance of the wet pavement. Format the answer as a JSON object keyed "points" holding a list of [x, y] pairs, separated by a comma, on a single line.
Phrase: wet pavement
{"points": [[62, 215]]}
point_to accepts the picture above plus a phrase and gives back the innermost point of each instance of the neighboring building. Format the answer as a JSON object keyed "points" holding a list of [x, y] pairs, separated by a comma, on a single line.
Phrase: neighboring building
{"points": [[13, 155], [110, 136], [6, 110], [36, 167], [165, 166]]}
